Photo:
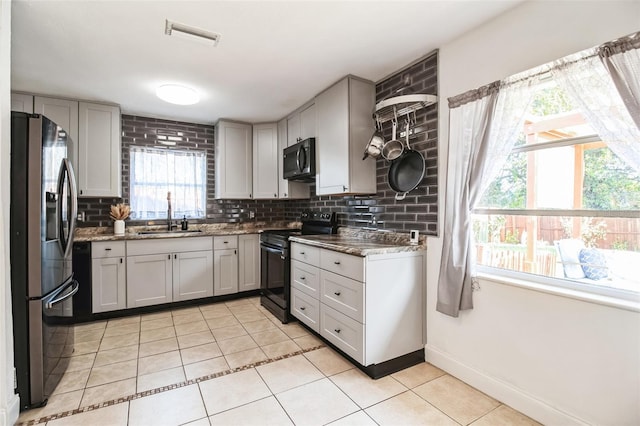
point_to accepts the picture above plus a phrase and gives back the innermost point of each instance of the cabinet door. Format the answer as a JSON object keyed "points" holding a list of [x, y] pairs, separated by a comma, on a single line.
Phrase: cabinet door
{"points": [[249, 262], [99, 150], [22, 103], [192, 275], [65, 114], [265, 161], [225, 272], [308, 122], [233, 159], [332, 144], [108, 284], [293, 129], [149, 280]]}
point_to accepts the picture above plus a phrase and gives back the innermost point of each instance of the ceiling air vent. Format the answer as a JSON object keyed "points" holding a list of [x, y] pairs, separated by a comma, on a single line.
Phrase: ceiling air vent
{"points": [[192, 33]]}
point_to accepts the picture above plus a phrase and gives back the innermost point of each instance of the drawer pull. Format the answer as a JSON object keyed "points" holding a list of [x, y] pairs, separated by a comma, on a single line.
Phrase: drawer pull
{"points": [[108, 249], [302, 253], [302, 308], [337, 293], [303, 278], [226, 242], [337, 330], [337, 262]]}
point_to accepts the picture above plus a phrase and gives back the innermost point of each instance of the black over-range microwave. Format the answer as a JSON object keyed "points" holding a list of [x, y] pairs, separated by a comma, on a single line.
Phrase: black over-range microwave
{"points": [[300, 161]]}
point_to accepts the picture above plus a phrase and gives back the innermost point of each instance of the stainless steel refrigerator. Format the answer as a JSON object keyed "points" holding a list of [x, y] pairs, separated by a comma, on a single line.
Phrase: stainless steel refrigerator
{"points": [[43, 214]]}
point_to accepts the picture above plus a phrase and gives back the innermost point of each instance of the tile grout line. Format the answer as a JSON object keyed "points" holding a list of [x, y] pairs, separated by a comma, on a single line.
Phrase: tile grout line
{"points": [[166, 388]]}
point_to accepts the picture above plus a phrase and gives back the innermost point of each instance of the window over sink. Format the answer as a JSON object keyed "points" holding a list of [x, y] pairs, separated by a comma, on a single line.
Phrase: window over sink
{"points": [[154, 172]]}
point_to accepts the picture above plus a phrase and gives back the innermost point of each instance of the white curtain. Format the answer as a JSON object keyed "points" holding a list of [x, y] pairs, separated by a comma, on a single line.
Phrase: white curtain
{"points": [[155, 172], [621, 58], [483, 127], [587, 81]]}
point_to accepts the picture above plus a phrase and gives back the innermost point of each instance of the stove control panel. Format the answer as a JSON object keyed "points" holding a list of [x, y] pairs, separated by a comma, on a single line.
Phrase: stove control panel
{"points": [[313, 216]]}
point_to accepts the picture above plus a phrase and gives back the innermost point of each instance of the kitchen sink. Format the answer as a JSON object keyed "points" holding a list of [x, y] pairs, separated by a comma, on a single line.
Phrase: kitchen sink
{"points": [[175, 231]]}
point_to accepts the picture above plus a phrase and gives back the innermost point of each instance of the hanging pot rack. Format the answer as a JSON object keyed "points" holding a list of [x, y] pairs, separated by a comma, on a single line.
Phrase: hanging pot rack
{"points": [[402, 105]]}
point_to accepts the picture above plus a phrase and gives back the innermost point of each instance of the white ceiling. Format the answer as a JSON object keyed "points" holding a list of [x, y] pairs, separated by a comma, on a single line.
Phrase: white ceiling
{"points": [[272, 56]]}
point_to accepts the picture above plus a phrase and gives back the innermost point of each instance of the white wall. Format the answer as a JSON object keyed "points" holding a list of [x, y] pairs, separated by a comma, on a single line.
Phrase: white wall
{"points": [[9, 403], [559, 360]]}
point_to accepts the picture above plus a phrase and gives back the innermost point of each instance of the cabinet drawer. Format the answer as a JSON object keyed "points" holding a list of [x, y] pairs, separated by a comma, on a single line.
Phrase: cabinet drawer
{"points": [[306, 309], [107, 249], [168, 245], [305, 278], [343, 264], [305, 253], [224, 242], [344, 332], [342, 294]]}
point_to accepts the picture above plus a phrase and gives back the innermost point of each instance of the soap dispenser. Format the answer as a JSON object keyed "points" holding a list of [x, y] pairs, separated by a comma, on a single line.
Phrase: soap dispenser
{"points": [[184, 223]]}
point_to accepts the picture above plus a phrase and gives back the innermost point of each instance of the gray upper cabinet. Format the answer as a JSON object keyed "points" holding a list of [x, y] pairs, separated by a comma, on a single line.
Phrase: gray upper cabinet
{"points": [[234, 164], [265, 161], [98, 170], [345, 124], [301, 124], [64, 113], [22, 102]]}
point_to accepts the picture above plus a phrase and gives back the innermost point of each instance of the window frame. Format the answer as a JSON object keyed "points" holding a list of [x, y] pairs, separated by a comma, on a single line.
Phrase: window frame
{"points": [[174, 151], [556, 282]]}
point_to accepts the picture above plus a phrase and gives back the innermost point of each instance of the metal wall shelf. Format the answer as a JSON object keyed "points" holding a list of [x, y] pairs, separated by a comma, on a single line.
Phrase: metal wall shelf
{"points": [[402, 105]]}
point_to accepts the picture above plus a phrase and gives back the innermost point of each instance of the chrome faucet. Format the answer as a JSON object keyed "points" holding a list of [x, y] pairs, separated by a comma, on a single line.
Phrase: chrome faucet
{"points": [[170, 226]]}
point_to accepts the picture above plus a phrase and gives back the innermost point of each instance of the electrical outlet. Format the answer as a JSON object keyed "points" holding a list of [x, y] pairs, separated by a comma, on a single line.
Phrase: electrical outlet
{"points": [[414, 236], [80, 217], [252, 214]]}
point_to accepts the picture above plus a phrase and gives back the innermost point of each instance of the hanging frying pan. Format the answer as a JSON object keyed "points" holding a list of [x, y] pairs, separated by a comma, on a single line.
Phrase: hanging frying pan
{"points": [[406, 172]]}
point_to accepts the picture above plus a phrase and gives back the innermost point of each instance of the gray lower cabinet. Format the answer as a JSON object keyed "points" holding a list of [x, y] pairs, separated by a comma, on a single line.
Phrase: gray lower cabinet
{"points": [[248, 262], [149, 280], [108, 276], [371, 308], [168, 270], [225, 265]]}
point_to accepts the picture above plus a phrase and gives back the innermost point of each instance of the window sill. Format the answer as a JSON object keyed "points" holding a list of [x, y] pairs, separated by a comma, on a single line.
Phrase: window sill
{"points": [[629, 305]]}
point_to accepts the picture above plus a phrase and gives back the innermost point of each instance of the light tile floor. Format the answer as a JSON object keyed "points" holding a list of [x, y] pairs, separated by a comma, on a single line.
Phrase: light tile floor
{"points": [[233, 363]]}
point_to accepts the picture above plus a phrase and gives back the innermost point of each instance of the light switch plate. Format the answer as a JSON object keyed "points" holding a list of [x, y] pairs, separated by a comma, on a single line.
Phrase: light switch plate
{"points": [[414, 236]]}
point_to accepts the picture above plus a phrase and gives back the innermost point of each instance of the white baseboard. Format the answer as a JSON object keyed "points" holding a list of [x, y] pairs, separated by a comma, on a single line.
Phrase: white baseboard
{"points": [[503, 392], [9, 416]]}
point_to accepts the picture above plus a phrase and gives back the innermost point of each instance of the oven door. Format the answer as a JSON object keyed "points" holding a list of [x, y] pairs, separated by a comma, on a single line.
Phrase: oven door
{"points": [[274, 274]]}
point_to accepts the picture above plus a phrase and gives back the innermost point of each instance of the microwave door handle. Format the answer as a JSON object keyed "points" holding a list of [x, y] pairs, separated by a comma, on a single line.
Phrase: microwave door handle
{"points": [[298, 152]]}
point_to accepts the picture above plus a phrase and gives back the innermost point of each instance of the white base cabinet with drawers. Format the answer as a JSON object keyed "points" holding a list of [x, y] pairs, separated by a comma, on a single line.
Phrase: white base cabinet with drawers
{"points": [[108, 277], [167, 270], [371, 308]]}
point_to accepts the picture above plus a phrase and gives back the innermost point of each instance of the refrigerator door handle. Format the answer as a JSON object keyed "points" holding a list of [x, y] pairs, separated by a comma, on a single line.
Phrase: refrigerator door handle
{"points": [[54, 299], [66, 242]]}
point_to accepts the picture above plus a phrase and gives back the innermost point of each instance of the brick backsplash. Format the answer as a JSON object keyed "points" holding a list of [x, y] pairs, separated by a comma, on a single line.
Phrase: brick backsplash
{"points": [[419, 210]]}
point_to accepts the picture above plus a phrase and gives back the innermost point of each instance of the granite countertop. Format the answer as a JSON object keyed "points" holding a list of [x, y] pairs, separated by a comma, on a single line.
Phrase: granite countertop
{"points": [[206, 229], [362, 243]]}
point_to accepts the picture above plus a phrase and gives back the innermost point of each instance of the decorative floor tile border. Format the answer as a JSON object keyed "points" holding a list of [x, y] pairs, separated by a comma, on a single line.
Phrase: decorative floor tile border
{"points": [[165, 388]]}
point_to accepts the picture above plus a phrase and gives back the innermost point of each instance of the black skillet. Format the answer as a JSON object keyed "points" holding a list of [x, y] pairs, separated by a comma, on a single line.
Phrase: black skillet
{"points": [[406, 172]]}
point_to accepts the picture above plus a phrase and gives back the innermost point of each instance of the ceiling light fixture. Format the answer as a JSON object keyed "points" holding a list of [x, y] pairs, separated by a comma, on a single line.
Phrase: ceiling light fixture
{"points": [[177, 94], [192, 33]]}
